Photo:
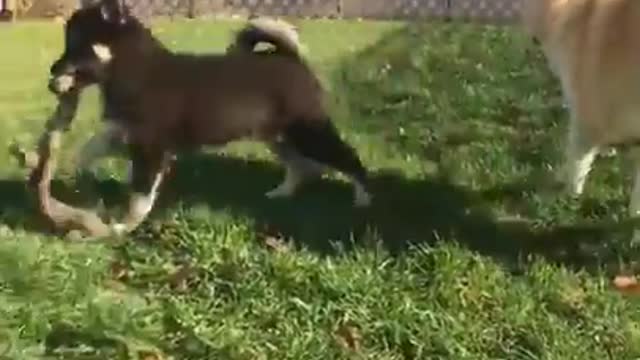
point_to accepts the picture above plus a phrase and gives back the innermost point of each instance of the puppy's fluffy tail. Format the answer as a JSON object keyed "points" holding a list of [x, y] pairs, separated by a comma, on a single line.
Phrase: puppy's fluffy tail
{"points": [[282, 35]]}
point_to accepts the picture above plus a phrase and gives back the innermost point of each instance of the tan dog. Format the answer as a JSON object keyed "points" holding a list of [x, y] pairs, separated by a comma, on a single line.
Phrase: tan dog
{"points": [[593, 47]]}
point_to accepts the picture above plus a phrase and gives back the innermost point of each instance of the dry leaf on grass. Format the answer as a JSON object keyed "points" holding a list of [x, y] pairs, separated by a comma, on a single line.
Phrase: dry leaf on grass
{"points": [[273, 239], [115, 286], [627, 284], [180, 278], [148, 355], [348, 337], [276, 244], [119, 270]]}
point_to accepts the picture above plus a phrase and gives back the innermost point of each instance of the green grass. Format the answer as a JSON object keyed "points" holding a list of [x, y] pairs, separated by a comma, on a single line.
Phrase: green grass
{"points": [[466, 253]]}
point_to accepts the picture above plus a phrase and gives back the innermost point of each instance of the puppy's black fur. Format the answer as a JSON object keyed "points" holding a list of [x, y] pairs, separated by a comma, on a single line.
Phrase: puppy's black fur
{"points": [[168, 101]]}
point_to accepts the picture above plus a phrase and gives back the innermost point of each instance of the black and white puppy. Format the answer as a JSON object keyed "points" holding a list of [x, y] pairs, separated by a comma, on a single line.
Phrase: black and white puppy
{"points": [[159, 102]]}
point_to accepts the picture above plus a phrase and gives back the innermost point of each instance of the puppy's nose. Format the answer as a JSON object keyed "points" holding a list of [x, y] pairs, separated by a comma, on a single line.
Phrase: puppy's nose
{"points": [[52, 85], [61, 66], [55, 68]]}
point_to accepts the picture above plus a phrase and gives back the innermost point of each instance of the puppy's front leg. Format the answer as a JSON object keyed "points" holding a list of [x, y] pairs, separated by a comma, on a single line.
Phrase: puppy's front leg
{"points": [[148, 169]]}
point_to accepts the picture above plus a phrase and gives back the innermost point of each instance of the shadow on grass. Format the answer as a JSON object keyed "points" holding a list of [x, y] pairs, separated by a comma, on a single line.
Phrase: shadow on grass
{"points": [[17, 206], [18, 203], [404, 212]]}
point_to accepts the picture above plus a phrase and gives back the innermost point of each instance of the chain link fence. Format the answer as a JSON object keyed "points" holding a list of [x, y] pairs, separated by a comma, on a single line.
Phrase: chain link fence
{"points": [[474, 10], [484, 10]]}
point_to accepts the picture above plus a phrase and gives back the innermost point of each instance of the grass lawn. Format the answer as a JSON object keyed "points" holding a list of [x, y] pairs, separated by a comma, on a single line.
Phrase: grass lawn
{"points": [[465, 254]]}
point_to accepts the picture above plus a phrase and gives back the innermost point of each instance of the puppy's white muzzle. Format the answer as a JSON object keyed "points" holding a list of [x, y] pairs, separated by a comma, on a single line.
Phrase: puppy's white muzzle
{"points": [[62, 83]]}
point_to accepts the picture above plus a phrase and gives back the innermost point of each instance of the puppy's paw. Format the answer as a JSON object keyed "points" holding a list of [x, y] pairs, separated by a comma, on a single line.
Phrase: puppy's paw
{"points": [[279, 193], [119, 229], [362, 198]]}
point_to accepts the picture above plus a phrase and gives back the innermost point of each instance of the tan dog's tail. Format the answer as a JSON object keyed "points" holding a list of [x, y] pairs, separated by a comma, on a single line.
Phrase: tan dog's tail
{"points": [[282, 35]]}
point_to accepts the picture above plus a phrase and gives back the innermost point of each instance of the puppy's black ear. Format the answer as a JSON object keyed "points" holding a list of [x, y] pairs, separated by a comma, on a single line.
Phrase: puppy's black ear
{"points": [[114, 11]]}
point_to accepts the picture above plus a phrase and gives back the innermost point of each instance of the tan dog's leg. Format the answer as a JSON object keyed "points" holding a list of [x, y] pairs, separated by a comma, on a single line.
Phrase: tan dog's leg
{"points": [[634, 201], [580, 154]]}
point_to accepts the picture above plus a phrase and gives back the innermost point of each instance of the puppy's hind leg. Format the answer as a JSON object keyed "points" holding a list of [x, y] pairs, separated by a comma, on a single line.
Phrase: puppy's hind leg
{"points": [[298, 169], [321, 142], [579, 157]]}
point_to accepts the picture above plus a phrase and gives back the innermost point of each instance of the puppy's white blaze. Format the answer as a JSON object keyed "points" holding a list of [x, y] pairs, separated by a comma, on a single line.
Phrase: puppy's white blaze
{"points": [[102, 52]]}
